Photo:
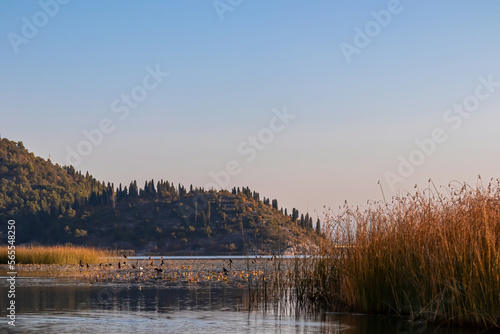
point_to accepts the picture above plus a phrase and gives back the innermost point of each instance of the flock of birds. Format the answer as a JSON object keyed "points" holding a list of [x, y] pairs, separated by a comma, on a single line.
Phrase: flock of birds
{"points": [[178, 272]]}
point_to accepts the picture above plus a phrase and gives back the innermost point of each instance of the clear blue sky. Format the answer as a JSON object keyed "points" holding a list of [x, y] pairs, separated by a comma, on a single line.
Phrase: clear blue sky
{"points": [[353, 119]]}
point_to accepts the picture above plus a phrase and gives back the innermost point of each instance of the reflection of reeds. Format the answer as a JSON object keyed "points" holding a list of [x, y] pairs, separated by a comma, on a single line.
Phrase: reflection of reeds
{"points": [[426, 256], [287, 285], [55, 255], [270, 283]]}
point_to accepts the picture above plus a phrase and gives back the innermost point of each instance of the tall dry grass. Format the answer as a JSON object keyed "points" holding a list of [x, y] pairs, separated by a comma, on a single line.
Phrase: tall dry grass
{"points": [[433, 256], [56, 255]]}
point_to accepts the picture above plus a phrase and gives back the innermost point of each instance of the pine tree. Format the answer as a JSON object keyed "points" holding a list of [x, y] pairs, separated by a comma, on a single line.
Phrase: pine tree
{"points": [[152, 189], [133, 189], [208, 211], [275, 204]]}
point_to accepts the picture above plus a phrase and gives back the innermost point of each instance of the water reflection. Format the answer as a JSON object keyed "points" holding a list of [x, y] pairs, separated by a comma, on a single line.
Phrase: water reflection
{"points": [[51, 305], [216, 257], [65, 306]]}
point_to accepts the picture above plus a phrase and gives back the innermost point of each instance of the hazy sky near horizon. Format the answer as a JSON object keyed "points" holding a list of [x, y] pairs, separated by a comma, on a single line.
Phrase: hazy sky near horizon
{"points": [[396, 91]]}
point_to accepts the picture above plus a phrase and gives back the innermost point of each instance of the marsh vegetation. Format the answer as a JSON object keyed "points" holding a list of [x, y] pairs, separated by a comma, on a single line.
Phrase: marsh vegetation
{"points": [[433, 256], [67, 255]]}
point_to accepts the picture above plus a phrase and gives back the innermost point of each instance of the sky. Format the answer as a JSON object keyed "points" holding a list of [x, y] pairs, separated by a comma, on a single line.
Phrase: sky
{"points": [[309, 102]]}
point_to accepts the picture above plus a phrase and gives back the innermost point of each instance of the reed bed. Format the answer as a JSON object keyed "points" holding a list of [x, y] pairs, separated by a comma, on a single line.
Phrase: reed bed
{"points": [[56, 255], [433, 256]]}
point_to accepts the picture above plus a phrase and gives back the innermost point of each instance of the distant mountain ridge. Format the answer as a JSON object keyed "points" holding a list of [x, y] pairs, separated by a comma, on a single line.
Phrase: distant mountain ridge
{"points": [[55, 204]]}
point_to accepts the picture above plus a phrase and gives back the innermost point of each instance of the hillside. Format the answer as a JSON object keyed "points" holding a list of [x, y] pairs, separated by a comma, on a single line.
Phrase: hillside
{"points": [[55, 204]]}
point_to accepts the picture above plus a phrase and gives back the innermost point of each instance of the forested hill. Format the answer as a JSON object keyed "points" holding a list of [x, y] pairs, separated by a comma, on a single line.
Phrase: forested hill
{"points": [[55, 204]]}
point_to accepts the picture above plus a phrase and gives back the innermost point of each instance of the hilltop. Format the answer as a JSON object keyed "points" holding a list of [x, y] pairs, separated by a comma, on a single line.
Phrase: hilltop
{"points": [[55, 204]]}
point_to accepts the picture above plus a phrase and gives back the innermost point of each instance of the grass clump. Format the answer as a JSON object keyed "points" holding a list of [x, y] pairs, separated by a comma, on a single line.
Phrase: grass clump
{"points": [[55, 255], [427, 256]]}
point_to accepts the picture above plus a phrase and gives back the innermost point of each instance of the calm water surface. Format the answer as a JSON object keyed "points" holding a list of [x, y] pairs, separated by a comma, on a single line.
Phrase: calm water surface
{"points": [[217, 257], [58, 305]]}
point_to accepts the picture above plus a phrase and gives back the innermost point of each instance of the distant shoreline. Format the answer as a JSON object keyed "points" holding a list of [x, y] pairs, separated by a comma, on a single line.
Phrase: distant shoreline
{"points": [[231, 271]]}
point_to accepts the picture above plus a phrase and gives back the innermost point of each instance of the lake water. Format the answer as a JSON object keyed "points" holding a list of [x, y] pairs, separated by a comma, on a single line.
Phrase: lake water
{"points": [[218, 257], [61, 305]]}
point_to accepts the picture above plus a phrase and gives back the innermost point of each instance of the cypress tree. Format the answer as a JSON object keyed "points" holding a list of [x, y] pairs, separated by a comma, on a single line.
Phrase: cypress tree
{"points": [[318, 227]]}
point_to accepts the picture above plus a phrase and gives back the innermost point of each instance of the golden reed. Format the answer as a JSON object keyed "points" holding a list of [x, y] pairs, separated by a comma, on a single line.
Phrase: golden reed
{"points": [[56, 255], [433, 256]]}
